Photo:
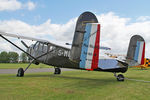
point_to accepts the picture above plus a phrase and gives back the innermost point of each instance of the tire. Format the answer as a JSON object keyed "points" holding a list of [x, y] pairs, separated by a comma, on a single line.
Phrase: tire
{"points": [[57, 71], [20, 72], [37, 63], [120, 77]]}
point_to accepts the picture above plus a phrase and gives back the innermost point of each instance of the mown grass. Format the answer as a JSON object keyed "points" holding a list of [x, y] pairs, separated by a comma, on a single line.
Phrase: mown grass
{"points": [[23, 65], [75, 85]]}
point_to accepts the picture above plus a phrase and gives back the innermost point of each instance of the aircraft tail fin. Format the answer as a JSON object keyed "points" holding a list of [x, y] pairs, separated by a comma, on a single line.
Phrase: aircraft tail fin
{"points": [[84, 18], [90, 47], [136, 51]]}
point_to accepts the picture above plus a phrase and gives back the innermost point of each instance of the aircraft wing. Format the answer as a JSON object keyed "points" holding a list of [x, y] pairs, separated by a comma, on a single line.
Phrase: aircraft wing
{"points": [[22, 37], [105, 48]]}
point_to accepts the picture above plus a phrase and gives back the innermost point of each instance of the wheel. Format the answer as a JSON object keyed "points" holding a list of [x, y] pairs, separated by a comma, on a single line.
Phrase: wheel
{"points": [[20, 72], [57, 71], [36, 63], [120, 77]]}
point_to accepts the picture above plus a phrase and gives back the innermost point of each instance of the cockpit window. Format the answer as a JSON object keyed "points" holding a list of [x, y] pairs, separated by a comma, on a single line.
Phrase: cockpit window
{"points": [[40, 46], [52, 48], [35, 45], [44, 47]]}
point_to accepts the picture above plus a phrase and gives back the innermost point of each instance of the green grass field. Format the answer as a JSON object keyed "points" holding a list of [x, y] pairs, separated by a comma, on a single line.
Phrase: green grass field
{"points": [[75, 85], [23, 65]]}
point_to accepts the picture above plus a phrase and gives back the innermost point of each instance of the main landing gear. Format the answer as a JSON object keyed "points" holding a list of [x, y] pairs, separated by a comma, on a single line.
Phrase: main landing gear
{"points": [[119, 77], [57, 71], [21, 71]]}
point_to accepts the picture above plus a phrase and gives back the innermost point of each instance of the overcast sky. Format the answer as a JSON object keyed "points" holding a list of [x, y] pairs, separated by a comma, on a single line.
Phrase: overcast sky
{"points": [[54, 20]]}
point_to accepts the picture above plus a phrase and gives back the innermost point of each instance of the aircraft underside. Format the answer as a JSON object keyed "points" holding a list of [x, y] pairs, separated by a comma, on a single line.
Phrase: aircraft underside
{"points": [[107, 65]]}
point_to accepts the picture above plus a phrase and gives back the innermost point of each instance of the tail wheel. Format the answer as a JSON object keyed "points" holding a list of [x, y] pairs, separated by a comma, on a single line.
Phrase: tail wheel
{"points": [[20, 72], [57, 71], [120, 77]]}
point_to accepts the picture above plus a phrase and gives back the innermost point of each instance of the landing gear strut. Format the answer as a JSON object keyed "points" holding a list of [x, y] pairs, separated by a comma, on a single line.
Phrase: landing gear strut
{"points": [[119, 77], [21, 71], [57, 71]]}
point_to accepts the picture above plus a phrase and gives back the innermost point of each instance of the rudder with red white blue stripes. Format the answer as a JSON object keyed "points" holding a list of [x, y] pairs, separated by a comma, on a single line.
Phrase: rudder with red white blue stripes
{"points": [[140, 52], [90, 47], [136, 51]]}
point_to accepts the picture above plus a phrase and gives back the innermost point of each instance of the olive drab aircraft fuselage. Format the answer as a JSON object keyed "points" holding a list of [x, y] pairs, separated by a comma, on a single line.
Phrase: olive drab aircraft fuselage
{"points": [[85, 52]]}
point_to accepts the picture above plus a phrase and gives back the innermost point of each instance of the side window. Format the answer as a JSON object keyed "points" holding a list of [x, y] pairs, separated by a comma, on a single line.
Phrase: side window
{"points": [[44, 48], [51, 48], [40, 46], [36, 46]]}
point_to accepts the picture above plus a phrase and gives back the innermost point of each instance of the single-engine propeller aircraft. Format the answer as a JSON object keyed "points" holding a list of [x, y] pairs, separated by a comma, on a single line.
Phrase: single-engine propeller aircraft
{"points": [[85, 52]]}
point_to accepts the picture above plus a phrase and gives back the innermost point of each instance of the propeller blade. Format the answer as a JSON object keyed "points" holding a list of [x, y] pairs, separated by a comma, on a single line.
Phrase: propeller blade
{"points": [[24, 44]]}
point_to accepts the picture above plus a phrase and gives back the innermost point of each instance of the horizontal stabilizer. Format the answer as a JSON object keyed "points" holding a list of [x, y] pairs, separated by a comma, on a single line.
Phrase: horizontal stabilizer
{"points": [[105, 48]]}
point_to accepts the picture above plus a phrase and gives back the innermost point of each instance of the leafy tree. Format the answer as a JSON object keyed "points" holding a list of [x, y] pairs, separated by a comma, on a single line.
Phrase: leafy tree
{"points": [[4, 58], [24, 58], [13, 57], [8, 57]]}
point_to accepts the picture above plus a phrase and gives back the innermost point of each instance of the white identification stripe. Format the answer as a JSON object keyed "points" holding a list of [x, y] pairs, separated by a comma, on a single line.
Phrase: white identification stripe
{"points": [[140, 52], [91, 42]]}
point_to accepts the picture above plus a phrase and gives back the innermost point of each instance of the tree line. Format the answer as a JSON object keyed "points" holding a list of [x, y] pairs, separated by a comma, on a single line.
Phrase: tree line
{"points": [[13, 57]]}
